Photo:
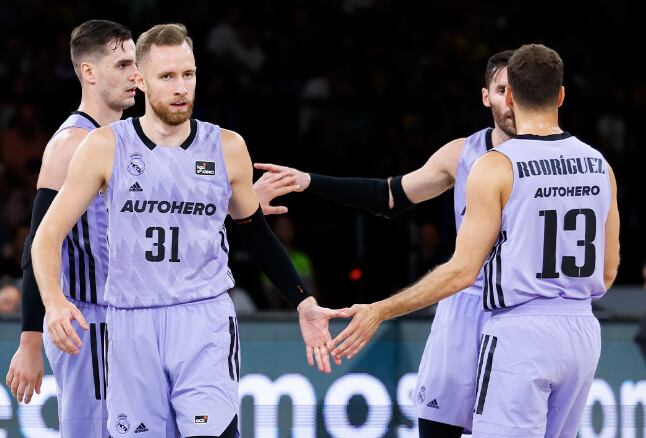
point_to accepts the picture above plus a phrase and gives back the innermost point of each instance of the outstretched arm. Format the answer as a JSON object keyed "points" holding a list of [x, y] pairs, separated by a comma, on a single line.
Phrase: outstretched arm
{"points": [[488, 189], [384, 197], [270, 255], [611, 258]]}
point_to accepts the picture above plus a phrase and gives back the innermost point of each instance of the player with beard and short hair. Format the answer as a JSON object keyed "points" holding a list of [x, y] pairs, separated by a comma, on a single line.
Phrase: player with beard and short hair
{"points": [[446, 384], [169, 182]]}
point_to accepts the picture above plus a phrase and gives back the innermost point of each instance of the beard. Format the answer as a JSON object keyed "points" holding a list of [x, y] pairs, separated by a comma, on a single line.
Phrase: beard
{"points": [[170, 117], [505, 121]]}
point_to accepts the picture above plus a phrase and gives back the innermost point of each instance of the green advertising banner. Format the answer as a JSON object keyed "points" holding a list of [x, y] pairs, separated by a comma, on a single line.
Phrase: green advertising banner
{"points": [[369, 396]]}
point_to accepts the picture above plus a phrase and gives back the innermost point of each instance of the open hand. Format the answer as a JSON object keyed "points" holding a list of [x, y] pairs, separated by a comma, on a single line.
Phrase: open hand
{"points": [[314, 321], [364, 324], [59, 317]]}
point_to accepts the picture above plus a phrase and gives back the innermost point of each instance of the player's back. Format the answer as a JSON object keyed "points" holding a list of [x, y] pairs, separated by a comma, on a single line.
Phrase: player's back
{"points": [[85, 249], [552, 238], [167, 207]]}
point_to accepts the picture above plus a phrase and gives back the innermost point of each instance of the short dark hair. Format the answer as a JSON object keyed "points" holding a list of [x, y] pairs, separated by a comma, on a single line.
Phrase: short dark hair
{"points": [[535, 75], [93, 37], [174, 34], [496, 62]]}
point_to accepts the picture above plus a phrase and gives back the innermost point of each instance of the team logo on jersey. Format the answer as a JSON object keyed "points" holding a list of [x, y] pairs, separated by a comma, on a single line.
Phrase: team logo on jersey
{"points": [[123, 425], [135, 188], [433, 404], [421, 395], [201, 419], [205, 167], [141, 428], [136, 165]]}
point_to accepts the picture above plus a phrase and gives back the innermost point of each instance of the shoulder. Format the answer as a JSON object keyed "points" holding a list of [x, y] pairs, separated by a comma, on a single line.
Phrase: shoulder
{"points": [[100, 139], [233, 145], [66, 139], [492, 166]]}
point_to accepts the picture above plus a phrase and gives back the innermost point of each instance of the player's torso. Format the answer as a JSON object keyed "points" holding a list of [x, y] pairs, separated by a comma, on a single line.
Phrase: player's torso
{"points": [[85, 250], [552, 239], [475, 146], [167, 207]]}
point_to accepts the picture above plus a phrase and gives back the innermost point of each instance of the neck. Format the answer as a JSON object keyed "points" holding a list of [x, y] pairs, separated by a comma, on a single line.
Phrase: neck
{"points": [[498, 136], [98, 110], [537, 122]]}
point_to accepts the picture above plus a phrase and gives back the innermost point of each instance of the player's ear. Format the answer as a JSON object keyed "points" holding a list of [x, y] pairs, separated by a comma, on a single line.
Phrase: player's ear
{"points": [[508, 97], [485, 97], [561, 97], [88, 72], [139, 80]]}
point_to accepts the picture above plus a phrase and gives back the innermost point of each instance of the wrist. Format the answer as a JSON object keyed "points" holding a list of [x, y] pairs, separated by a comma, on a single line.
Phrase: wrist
{"points": [[308, 180], [306, 304], [53, 299], [380, 310], [29, 339]]}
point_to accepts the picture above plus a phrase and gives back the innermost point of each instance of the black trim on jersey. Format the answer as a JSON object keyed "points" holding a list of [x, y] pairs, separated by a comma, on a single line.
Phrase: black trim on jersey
{"points": [[488, 140], [152, 145], [95, 361], [88, 251], [87, 116], [231, 346], [483, 348], [487, 375], [494, 260], [77, 244], [237, 354], [105, 356], [103, 327], [501, 296], [71, 266], [552, 137]]}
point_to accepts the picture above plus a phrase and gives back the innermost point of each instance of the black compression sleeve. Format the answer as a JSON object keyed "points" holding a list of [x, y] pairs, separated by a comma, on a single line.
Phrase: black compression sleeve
{"points": [[265, 248], [33, 311], [368, 194], [400, 200]]}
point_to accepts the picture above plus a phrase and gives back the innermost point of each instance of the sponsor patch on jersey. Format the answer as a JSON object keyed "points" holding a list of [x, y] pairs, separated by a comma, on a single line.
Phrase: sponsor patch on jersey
{"points": [[205, 167], [201, 419]]}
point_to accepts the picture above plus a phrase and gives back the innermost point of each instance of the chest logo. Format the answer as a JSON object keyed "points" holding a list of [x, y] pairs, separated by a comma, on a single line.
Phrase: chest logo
{"points": [[136, 165], [205, 167]]}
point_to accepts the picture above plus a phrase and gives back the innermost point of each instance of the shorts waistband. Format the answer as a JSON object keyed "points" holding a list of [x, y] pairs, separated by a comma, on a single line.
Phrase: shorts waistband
{"points": [[84, 304], [547, 306], [220, 297]]}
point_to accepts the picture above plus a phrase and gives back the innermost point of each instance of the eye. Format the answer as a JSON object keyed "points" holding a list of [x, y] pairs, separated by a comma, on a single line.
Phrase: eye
{"points": [[189, 74], [165, 77]]}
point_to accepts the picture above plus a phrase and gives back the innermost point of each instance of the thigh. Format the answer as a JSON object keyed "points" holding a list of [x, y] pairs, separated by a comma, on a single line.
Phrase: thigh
{"points": [[80, 379], [138, 390], [204, 370]]}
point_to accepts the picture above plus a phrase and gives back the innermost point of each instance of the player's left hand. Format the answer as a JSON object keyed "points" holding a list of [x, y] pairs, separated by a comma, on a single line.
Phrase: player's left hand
{"points": [[314, 321], [364, 324]]}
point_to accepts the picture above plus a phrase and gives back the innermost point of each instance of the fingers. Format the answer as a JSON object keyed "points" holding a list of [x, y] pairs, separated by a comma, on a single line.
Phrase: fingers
{"points": [[62, 341], [319, 359], [78, 316], [347, 332], [356, 348], [343, 348], [71, 334], [279, 209], [29, 392], [310, 355], [39, 382], [285, 190], [268, 167], [9, 377], [14, 386], [326, 360], [20, 393]]}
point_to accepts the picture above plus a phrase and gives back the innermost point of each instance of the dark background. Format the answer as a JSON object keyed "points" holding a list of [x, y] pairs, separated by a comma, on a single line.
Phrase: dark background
{"points": [[344, 87]]}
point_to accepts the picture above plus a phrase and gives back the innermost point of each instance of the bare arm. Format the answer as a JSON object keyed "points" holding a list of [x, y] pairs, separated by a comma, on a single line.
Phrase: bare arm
{"points": [[488, 188], [88, 172], [432, 179], [57, 157], [611, 259]]}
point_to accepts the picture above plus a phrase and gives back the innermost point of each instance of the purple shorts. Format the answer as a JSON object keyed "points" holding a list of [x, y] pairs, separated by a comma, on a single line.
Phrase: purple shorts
{"points": [[536, 366], [173, 370], [446, 382], [80, 379]]}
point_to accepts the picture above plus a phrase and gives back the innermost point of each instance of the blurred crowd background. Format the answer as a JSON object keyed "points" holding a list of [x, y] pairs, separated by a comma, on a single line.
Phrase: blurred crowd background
{"points": [[343, 87]]}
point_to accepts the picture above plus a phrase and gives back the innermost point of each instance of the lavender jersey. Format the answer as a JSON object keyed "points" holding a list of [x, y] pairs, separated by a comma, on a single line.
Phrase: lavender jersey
{"points": [[85, 249], [475, 146], [167, 207], [552, 238]]}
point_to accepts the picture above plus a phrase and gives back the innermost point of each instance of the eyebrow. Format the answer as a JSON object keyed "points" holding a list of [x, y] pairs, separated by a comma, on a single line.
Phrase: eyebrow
{"points": [[127, 61]]}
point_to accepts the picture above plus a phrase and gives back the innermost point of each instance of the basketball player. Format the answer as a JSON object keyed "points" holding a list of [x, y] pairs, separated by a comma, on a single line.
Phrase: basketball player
{"points": [[169, 181], [546, 202], [103, 54], [458, 322]]}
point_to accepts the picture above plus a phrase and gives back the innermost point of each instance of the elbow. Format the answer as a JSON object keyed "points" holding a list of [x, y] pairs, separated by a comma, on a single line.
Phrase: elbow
{"points": [[464, 276], [609, 276]]}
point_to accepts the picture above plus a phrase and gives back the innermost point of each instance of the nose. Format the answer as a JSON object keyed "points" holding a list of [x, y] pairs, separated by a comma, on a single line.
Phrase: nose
{"points": [[181, 87]]}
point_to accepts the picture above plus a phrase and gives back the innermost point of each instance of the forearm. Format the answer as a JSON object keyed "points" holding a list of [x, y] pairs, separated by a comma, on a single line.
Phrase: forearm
{"points": [[46, 257], [442, 282]]}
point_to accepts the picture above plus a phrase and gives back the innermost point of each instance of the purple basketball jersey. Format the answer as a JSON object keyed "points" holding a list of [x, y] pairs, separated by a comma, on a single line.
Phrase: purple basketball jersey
{"points": [[167, 207], [85, 249], [475, 146], [552, 238]]}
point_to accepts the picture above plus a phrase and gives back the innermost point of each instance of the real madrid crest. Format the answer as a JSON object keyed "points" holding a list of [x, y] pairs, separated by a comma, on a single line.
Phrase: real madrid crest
{"points": [[136, 165]]}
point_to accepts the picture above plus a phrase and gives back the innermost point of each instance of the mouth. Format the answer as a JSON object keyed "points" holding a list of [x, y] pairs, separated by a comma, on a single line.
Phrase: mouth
{"points": [[178, 105], [132, 91]]}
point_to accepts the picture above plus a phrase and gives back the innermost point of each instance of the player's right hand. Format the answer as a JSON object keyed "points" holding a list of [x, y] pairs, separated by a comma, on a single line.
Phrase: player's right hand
{"points": [[278, 181], [58, 317], [26, 369]]}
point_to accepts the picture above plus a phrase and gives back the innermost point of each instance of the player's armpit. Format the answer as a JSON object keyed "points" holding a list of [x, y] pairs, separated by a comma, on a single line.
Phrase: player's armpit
{"points": [[436, 176], [611, 255]]}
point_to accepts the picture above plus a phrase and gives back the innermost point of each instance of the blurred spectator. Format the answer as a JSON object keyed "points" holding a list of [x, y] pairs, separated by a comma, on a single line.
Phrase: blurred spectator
{"points": [[428, 253], [11, 253], [283, 227], [9, 298]]}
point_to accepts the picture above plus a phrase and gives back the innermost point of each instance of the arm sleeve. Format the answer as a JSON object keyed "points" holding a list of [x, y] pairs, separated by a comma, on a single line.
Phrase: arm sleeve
{"points": [[266, 250], [33, 310], [369, 194]]}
